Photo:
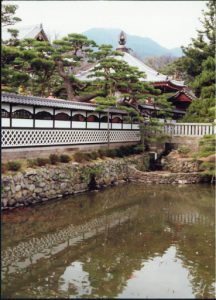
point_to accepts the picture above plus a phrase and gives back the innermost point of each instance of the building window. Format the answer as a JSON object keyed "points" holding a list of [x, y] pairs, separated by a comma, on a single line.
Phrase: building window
{"points": [[5, 114], [22, 114], [116, 120], [62, 117], [92, 118], [78, 118], [43, 115]]}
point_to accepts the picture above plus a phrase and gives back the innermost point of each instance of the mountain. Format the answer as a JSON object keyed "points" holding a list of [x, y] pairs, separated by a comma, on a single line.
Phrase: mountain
{"points": [[142, 46]]}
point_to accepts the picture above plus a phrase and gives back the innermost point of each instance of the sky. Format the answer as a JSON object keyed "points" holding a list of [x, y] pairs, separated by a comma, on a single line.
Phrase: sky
{"points": [[170, 23]]}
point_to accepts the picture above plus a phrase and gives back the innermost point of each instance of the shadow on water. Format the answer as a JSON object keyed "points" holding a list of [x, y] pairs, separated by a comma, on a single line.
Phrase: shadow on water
{"points": [[121, 242]]}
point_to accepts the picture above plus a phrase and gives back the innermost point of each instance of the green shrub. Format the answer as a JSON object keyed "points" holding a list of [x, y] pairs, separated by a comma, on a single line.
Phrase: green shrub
{"points": [[64, 158], [111, 152], [102, 152], [32, 163], [54, 159], [183, 150], [78, 156], [94, 155], [42, 161], [14, 165]]}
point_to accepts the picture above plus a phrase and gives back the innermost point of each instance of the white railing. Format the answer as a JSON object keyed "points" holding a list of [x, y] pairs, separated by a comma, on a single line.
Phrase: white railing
{"points": [[190, 129], [11, 138]]}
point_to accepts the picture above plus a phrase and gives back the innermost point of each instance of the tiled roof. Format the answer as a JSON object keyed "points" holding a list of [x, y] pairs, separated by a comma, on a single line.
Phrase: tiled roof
{"points": [[58, 103], [30, 32], [151, 75]]}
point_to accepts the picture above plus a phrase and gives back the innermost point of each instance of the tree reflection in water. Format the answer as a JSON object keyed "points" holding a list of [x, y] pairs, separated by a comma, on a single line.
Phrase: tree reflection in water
{"points": [[107, 244]]}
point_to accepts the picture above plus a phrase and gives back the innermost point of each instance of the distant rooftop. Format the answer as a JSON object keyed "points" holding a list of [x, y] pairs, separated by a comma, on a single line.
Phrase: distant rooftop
{"points": [[31, 32]]}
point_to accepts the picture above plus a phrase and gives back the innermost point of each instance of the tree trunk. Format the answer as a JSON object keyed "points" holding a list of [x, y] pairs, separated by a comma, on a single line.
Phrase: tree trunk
{"points": [[67, 82]]}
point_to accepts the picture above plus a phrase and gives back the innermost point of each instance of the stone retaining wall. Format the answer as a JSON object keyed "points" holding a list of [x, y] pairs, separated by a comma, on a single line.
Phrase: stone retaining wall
{"points": [[163, 177], [44, 183], [51, 182]]}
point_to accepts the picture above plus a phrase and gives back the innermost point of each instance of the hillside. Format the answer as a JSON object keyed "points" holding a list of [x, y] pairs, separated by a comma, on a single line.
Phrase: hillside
{"points": [[142, 46]]}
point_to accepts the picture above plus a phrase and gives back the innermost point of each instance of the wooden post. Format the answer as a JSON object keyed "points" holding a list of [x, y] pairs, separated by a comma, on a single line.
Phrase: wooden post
{"points": [[10, 115], [71, 122], [108, 129], [33, 116], [54, 117]]}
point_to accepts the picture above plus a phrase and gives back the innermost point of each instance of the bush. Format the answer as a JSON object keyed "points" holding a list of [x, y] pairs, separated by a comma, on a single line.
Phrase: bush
{"points": [[14, 165], [32, 163], [64, 158], [94, 155], [54, 159], [42, 161], [78, 157], [183, 150], [111, 152], [102, 152]]}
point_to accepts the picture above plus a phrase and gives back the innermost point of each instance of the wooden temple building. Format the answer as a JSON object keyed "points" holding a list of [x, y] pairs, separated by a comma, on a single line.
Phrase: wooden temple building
{"points": [[181, 96]]}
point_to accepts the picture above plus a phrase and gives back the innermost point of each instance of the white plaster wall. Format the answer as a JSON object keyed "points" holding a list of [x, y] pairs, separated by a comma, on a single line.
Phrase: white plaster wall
{"points": [[79, 112], [65, 111], [62, 124], [5, 122], [135, 126], [93, 114], [18, 107], [116, 125], [126, 126], [92, 124], [104, 125], [43, 123], [6, 107], [22, 123], [49, 110], [78, 124]]}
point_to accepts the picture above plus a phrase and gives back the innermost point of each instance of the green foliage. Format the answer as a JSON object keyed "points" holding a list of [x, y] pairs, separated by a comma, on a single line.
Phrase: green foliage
{"points": [[13, 165], [201, 110], [31, 163], [54, 159], [64, 158], [184, 150], [8, 15], [40, 161]]}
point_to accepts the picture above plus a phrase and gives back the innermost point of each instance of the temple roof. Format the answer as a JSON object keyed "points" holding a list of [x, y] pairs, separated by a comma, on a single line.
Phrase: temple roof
{"points": [[28, 32], [151, 74]]}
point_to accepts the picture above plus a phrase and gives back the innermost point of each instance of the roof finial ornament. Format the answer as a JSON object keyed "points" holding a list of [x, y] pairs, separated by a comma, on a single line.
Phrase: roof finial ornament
{"points": [[122, 38], [41, 26], [122, 41]]}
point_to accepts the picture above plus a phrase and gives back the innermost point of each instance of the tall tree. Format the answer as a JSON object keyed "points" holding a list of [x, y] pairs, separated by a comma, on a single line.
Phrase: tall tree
{"points": [[71, 52]]}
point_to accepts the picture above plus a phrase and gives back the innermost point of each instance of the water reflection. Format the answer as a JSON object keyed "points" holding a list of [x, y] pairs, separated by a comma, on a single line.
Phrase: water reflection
{"points": [[129, 241]]}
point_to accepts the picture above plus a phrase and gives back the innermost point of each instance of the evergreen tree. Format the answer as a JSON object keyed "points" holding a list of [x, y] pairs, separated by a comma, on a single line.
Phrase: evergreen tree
{"points": [[8, 15], [70, 53]]}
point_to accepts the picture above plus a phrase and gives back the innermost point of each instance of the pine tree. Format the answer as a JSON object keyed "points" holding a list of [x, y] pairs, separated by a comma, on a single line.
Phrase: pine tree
{"points": [[8, 15], [70, 53]]}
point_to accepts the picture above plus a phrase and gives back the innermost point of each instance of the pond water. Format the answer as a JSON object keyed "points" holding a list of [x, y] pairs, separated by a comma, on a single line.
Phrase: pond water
{"points": [[129, 241]]}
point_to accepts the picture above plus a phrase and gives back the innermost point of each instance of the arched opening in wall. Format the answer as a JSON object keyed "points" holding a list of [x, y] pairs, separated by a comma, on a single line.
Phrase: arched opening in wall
{"points": [[92, 118], [62, 117], [78, 118], [43, 115], [5, 114], [22, 114], [104, 119], [116, 120]]}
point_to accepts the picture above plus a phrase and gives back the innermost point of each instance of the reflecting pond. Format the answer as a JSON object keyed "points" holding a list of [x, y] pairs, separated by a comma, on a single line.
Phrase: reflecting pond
{"points": [[129, 241]]}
